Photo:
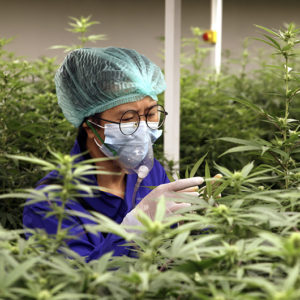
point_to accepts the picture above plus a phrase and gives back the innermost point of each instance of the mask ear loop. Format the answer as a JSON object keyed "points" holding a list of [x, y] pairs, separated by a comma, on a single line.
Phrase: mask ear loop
{"points": [[99, 137]]}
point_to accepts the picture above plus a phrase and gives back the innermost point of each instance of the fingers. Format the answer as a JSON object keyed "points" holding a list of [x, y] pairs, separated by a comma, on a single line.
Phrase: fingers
{"points": [[194, 194], [168, 189], [218, 176], [173, 207], [182, 184], [216, 182], [189, 190]]}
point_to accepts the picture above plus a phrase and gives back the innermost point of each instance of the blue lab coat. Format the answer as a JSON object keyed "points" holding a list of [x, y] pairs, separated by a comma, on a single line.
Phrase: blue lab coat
{"points": [[89, 245]]}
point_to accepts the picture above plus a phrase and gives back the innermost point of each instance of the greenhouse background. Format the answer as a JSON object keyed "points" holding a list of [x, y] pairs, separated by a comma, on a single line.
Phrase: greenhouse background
{"points": [[37, 25], [236, 232]]}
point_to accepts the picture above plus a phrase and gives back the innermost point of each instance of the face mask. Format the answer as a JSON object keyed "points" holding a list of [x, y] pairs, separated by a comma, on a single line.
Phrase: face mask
{"points": [[155, 134], [133, 150]]}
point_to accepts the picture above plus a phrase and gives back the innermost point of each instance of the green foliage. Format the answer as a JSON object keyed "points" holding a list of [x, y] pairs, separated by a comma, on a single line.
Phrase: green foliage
{"points": [[30, 123], [30, 120], [81, 26], [281, 151], [209, 108], [242, 244]]}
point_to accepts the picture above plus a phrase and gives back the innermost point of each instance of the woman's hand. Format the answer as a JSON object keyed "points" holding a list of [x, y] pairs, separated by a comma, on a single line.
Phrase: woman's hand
{"points": [[148, 204]]}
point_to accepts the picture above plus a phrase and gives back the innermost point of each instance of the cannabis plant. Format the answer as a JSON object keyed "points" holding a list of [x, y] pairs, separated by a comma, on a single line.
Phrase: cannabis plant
{"points": [[81, 26], [281, 152], [239, 239]]}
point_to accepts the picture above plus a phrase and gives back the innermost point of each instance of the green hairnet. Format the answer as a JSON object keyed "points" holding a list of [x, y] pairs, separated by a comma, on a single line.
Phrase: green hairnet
{"points": [[92, 80]]}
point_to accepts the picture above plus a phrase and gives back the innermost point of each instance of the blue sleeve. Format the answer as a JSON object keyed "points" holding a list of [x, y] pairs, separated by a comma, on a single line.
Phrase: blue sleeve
{"points": [[89, 245], [160, 173]]}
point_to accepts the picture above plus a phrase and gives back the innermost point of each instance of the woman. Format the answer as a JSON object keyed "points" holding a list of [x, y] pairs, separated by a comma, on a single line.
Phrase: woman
{"points": [[111, 95]]}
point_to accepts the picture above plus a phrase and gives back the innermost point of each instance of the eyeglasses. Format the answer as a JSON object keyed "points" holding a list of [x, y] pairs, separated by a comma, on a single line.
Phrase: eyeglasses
{"points": [[155, 118]]}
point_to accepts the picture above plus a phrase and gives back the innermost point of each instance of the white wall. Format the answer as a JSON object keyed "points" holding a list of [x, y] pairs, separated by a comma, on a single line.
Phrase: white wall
{"points": [[38, 24]]}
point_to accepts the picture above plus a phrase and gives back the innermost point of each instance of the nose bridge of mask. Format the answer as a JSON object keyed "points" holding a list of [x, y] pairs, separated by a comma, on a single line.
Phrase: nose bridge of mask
{"points": [[113, 134], [155, 134], [127, 128], [99, 137], [153, 124]]}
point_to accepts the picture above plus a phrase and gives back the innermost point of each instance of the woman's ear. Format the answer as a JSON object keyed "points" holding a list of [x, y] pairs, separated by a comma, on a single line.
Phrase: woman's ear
{"points": [[88, 130]]}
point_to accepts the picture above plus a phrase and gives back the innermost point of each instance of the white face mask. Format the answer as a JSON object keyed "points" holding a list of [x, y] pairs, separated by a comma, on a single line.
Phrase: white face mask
{"points": [[133, 150]]}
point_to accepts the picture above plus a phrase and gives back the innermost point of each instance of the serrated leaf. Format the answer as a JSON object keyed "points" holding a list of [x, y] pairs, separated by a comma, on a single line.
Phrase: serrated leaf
{"points": [[276, 44], [241, 149], [179, 241], [191, 266], [20, 271], [197, 165], [108, 225], [98, 37], [266, 42], [208, 182], [239, 141], [170, 176], [33, 160], [58, 47], [280, 152], [223, 170], [248, 104], [186, 175], [247, 169], [160, 209], [268, 30], [144, 219], [292, 278], [220, 189]]}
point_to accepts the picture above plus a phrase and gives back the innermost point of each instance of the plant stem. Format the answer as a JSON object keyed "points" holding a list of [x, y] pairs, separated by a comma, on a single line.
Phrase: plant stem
{"points": [[286, 171], [64, 199], [60, 219], [81, 39], [286, 91]]}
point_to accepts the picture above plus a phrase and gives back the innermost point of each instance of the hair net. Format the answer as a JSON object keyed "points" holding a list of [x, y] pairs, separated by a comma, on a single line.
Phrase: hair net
{"points": [[92, 80]]}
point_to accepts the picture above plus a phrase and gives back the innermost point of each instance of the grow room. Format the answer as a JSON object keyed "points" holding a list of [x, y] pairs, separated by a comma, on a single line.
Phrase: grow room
{"points": [[149, 149]]}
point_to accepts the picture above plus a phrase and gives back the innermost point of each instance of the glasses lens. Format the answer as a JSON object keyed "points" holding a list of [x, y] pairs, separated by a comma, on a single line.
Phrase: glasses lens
{"points": [[156, 117], [129, 122]]}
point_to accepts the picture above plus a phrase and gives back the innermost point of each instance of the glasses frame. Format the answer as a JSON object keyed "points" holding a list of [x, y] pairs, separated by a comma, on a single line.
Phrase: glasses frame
{"points": [[139, 118]]}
